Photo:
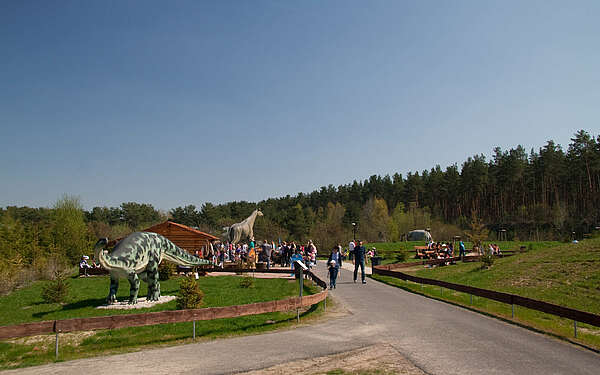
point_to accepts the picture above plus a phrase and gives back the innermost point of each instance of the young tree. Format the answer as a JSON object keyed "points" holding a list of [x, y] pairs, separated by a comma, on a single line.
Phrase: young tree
{"points": [[478, 232], [375, 220], [70, 231]]}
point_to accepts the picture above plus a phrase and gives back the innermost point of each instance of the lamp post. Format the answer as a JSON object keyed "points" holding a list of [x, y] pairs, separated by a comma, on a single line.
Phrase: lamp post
{"points": [[354, 231]]}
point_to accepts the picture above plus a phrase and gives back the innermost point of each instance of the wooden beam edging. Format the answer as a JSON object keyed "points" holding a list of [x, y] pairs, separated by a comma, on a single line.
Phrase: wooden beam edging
{"points": [[246, 270], [161, 317], [513, 299]]}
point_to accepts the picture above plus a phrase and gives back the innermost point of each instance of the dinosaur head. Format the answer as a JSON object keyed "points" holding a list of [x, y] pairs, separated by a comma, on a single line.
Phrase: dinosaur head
{"points": [[101, 244], [98, 247]]}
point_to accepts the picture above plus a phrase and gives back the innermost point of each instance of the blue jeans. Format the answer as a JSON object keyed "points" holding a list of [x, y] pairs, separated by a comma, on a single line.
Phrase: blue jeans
{"points": [[360, 263], [333, 273]]}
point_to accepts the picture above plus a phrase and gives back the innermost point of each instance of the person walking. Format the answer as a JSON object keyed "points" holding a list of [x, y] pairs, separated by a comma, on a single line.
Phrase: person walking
{"points": [[267, 250], [359, 261], [461, 249], [351, 247], [334, 263]]}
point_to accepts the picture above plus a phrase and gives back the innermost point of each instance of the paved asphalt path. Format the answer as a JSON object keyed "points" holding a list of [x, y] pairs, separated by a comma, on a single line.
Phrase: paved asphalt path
{"points": [[438, 338]]}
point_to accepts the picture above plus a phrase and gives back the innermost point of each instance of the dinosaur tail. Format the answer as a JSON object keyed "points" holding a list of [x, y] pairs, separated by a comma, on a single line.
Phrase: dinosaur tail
{"points": [[177, 255]]}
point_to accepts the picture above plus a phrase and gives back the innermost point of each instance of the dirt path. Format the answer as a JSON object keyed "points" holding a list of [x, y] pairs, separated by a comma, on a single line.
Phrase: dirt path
{"points": [[380, 359]]}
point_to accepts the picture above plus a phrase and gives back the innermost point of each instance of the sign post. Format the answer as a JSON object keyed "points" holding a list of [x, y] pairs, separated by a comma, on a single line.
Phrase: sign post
{"points": [[300, 267]]}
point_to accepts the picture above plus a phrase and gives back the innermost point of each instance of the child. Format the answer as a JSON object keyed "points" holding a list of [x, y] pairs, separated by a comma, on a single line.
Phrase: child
{"points": [[334, 263]]}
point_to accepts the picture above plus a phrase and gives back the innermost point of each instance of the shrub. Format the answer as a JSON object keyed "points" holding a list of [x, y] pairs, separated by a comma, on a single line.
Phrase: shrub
{"points": [[401, 256], [247, 282], [166, 270], [190, 294], [56, 290], [487, 258]]}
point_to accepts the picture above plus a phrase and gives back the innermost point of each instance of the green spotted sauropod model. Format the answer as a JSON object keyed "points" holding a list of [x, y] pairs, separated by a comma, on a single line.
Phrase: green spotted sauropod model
{"points": [[138, 256]]}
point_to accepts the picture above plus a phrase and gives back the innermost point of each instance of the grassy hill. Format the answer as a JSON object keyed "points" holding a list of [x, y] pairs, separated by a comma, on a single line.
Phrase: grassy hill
{"points": [[568, 275], [563, 274]]}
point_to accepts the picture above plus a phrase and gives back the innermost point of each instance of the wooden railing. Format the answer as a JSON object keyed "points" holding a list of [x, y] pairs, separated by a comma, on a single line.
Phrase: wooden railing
{"points": [[162, 317], [513, 299]]}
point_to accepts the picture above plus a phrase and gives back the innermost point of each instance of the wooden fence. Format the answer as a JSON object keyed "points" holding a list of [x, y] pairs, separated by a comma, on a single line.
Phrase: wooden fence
{"points": [[513, 299], [162, 317]]}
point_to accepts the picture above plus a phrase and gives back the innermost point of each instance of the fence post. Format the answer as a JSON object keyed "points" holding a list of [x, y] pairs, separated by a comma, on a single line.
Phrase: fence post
{"points": [[575, 327], [194, 330], [512, 303], [441, 291], [301, 279], [56, 347], [470, 295]]}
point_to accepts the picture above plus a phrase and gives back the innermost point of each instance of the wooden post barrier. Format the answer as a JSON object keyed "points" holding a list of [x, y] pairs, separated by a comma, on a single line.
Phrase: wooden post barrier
{"points": [[163, 317], [513, 299]]}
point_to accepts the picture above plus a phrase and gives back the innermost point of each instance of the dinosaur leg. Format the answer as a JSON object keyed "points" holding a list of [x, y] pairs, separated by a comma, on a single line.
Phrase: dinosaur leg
{"points": [[144, 277], [153, 283], [134, 283], [114, 286]]}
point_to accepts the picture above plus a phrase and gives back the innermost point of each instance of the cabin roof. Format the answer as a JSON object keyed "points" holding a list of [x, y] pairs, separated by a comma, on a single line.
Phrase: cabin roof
{"points": [[156, 228], [184, 227]]}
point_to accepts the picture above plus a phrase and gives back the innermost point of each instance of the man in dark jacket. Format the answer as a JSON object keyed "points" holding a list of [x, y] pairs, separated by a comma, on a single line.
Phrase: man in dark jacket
{"points": [[359, 260]]}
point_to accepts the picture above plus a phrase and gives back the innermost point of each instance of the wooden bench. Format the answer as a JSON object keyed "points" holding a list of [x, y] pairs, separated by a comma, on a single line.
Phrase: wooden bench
{"points": [[93, 271]]}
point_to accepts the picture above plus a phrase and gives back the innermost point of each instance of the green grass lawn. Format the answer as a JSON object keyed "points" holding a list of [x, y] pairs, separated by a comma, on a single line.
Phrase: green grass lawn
{"points": [[26, 305], [388, 250], [563, 274]]}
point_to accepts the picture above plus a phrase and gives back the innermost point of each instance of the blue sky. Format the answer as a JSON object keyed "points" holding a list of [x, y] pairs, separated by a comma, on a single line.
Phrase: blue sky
{"points": [[186, 102]]}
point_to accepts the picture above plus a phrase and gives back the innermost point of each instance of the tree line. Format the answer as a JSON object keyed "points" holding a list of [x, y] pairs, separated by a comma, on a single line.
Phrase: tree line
{"points": [[550, 193], [546, 194]]}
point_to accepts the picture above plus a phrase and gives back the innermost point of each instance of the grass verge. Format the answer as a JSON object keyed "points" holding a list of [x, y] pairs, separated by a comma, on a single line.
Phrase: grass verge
{"points": [[588, 335], [25, 305]]}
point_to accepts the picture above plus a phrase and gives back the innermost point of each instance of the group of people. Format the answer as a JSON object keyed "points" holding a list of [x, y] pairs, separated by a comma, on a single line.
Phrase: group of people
{"points": [[440, 250], [358, 254], [227, 252], [266, 252], [85, 265], [494, 249], [285, 253]]}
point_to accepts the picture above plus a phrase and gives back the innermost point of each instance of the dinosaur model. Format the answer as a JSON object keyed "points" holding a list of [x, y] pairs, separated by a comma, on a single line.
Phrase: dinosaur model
{"points": [[138, 256], [237, 231]]}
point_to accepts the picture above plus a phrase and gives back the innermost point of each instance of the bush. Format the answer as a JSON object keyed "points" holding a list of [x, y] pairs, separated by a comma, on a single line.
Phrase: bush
{"points": [[166, 270], [247, 282], [190, 294], [487, 259], [56, 290], [401, 256]]}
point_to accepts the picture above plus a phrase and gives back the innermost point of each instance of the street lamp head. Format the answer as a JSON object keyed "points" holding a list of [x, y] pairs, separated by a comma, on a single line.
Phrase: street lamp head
{"points": [[353, 224]]}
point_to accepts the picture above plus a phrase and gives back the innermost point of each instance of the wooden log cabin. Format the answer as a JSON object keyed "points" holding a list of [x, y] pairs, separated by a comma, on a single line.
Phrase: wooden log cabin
{"points": [[187, 238]]}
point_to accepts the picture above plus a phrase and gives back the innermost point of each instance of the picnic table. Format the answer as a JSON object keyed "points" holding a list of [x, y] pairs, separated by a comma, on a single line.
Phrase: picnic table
{"points": [[422, 252]]}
